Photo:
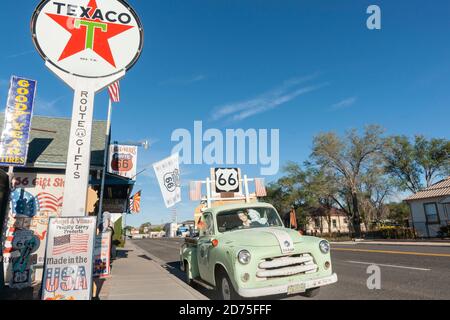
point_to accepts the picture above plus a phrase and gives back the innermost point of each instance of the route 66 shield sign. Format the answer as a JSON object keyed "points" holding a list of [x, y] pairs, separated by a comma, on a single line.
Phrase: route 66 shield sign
{"points": [[227, 180]]}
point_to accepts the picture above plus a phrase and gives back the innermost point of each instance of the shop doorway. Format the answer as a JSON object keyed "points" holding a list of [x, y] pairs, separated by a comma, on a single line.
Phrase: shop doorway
{"points": [[4, 198]]}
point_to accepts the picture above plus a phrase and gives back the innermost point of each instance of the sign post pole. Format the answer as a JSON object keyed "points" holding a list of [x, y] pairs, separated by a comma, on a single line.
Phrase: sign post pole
{"points": [[105, 163], [79, 153]]}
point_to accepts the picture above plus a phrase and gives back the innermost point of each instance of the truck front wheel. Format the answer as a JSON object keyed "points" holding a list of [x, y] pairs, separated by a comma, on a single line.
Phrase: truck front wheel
{"points": [[225, 287]]}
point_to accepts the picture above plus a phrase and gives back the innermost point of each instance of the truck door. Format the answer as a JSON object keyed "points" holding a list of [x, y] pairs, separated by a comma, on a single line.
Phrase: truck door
{"points": [[204, 247]]}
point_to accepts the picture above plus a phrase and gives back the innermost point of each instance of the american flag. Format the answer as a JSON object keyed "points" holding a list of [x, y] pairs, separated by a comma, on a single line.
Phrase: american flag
{"points": [[114, 92], [71, 243], [9, 239], [48, 202], [260, 187], [135, 203], [195, 190]]}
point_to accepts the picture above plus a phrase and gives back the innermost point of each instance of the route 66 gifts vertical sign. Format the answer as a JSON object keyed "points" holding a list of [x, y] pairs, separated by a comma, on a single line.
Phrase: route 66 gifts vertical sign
{"points": [[168, 174], [89, 44]]}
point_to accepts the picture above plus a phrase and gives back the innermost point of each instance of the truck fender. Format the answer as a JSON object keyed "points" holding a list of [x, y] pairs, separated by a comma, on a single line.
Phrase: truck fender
{"points": [[189, 255], [221, 265]]}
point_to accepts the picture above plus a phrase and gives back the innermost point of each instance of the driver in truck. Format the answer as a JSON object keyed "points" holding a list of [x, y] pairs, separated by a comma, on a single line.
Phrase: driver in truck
{"points": [[251, 218], [243, 216]]}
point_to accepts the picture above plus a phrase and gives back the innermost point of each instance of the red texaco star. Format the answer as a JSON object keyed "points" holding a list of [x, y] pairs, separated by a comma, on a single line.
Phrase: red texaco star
{"points": [[79, 40]]}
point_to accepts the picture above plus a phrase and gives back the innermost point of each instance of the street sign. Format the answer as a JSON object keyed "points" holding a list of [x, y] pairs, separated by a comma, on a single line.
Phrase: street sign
{"points": [[88, 44], [226, 180], [88, 39]]}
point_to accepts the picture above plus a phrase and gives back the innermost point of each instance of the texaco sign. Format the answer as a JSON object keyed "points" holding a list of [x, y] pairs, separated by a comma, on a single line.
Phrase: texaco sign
{"points": [[88, 44], [88, 38]]}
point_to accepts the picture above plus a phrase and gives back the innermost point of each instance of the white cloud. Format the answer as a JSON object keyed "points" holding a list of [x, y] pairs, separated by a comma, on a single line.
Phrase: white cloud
{"points": [[344, 103], [48, 107], [184, 80], [20, 54], [272, 99]]}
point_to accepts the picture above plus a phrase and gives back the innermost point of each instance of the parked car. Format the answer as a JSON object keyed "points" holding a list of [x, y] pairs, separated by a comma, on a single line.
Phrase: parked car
{"points": [[244, 250]]}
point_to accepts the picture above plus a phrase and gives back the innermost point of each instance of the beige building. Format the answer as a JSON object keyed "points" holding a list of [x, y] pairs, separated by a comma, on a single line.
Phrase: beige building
{"points": [[323, 220], [430, 209]]}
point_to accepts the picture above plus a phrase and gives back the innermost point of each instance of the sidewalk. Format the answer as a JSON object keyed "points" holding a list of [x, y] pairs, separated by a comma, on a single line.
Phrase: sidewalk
{"points": [[135, 276]]}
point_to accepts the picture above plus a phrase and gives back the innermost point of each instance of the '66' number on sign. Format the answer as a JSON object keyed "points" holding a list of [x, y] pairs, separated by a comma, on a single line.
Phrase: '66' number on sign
{"points": [[227, 180]]}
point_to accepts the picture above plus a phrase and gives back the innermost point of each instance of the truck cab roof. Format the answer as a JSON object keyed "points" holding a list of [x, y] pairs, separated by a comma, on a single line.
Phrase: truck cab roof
{"points": [[235, 206]]}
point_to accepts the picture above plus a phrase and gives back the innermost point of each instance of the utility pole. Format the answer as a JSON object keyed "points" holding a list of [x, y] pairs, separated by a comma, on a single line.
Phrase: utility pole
{"points": [[105, 163]]}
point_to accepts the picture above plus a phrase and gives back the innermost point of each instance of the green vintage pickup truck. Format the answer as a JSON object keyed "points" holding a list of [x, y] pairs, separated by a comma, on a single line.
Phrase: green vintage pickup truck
{"points": [[243, 250]]}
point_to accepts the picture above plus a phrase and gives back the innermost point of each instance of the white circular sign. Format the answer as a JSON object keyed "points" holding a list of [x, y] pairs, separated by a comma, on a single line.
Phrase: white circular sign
{"points": [[88, 38]]}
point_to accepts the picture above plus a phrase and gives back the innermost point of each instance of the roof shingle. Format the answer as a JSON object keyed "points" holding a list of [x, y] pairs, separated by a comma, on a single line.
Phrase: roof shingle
{"points": [[49, 138], [439, 189]]}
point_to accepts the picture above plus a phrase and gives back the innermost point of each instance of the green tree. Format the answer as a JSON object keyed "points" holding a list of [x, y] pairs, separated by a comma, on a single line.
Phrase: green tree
{"points": [[348, 161], [288, 190], [143, 226], [398, 212], [418, 164]]}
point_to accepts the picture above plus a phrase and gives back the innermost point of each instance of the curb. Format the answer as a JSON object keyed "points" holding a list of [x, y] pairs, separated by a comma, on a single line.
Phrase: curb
{"points": [[160, 263], [388, 243]]}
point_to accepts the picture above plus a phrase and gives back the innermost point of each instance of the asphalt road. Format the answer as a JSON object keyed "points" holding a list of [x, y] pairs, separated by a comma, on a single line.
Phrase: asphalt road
{"points": [[407, 272]]}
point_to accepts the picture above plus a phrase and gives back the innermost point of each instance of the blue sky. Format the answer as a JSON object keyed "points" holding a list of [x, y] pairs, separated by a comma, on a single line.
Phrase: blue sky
{"points": [[303, 67]]}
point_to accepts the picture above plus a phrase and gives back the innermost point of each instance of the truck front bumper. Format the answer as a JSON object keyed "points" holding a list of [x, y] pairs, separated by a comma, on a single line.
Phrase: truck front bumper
{"points": [[283, 289]]}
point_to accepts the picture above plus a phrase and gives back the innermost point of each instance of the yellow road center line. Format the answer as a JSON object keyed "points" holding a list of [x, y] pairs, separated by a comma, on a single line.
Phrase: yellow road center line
{"points": [[394, 252]]}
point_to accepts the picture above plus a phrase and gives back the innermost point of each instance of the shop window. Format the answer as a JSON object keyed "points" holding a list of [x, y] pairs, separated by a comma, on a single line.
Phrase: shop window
{"points": [[431, 213]]}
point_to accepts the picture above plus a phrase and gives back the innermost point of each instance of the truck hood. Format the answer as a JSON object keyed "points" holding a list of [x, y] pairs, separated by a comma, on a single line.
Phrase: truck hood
{"points": [[262, 237]]}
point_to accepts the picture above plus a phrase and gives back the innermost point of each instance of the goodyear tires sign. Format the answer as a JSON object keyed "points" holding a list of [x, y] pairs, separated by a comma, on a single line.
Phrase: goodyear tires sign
{"points": [[17, 125]]}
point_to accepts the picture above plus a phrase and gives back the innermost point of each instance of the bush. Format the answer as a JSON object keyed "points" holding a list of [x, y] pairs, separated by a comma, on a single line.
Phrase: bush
{"points": [[394, 232]]}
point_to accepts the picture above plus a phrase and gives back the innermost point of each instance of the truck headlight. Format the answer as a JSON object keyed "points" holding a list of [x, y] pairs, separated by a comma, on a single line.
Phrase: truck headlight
{"points": [[324, 246], [244, 257]]}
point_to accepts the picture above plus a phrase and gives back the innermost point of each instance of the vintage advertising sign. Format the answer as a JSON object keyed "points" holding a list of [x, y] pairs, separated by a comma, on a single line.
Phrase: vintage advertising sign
{"points": [[68, 266], [168, 174], [102, 255], [17, 125], [89, 44], [88, 38], [123, 161], [34, 199]]}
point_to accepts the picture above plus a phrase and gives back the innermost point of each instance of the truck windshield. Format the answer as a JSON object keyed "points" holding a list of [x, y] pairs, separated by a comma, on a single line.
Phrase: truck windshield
{"points": [[257, 217]]}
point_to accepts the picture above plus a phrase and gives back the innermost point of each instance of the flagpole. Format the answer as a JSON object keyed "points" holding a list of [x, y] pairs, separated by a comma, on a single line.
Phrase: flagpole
{"points": [[105, 163]]}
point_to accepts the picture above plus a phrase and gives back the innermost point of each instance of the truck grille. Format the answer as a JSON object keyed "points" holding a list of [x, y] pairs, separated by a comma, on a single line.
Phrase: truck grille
{"points": [[286, 266]]}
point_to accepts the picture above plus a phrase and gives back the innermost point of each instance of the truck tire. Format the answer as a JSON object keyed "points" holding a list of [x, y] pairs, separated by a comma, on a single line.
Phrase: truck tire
{"points": [[311, 293], [187, 279], [225, 287]]}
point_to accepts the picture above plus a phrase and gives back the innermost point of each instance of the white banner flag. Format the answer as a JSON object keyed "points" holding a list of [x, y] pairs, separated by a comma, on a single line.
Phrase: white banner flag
{"points": [[168, 174]]}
